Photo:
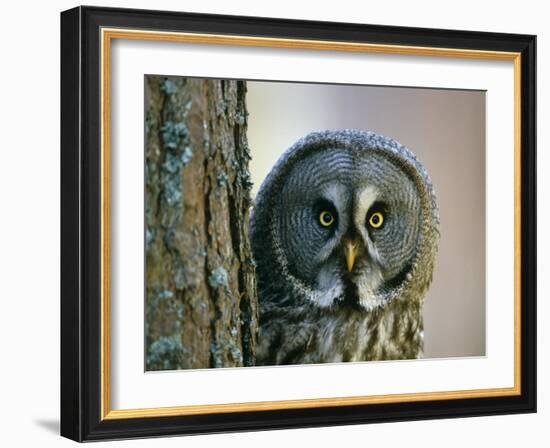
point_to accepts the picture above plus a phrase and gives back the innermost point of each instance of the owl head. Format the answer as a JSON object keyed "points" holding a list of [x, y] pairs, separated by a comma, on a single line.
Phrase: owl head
{"points": [[346, 218]]}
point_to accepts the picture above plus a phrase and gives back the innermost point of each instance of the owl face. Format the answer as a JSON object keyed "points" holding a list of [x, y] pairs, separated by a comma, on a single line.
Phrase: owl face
{"points": [[344, 218], [348, 223]]}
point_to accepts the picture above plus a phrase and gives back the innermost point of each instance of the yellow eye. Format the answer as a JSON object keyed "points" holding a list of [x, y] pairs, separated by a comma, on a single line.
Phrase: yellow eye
{"points": [[326, 219], [376, 220]]}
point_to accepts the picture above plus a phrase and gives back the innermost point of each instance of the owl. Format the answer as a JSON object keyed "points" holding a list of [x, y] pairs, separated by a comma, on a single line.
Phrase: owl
{"points": [[344, 233]]}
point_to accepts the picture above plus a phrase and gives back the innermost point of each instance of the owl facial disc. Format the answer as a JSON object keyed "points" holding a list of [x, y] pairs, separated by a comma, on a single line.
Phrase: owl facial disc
{"points": [[346, 218]]}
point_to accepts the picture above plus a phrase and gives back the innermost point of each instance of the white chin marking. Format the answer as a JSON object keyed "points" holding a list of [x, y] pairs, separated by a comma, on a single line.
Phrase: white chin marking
{"points": [[367, 286], [370, 301], [367, 289], [328, 287], [327, 297]]}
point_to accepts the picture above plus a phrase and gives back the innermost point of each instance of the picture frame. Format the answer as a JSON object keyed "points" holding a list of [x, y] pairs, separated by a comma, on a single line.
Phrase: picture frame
{"points": [[87, 35]]}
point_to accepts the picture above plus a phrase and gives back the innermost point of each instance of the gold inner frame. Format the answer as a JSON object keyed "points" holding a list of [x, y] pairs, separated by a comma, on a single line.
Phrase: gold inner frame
{"points": [[107, 35]]}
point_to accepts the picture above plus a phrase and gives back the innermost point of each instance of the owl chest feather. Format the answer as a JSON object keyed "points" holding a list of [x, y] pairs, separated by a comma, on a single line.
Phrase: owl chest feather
{"points": [[311, 335]]}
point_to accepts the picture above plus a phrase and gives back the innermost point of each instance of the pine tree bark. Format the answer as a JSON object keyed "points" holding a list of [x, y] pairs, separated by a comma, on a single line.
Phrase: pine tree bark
{"points": [[201, 305]]}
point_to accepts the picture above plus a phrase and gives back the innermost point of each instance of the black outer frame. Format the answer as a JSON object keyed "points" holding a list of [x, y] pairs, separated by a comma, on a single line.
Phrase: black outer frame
{"points": [[81, 208]]}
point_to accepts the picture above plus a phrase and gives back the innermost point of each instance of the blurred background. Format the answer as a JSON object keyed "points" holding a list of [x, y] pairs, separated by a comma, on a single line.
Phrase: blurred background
{"points": [[446, 130]]}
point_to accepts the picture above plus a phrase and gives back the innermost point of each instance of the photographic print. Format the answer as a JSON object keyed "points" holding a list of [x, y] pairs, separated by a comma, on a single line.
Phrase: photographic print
{"points": [[344, 212], [309, 223]]}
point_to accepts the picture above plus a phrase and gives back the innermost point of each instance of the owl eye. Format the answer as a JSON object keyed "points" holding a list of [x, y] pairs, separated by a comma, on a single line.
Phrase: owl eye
{"points": [[376, 220], [326, 218]]}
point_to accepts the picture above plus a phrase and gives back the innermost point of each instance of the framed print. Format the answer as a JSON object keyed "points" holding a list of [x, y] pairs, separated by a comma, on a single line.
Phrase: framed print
{"points": [[273, 223]]}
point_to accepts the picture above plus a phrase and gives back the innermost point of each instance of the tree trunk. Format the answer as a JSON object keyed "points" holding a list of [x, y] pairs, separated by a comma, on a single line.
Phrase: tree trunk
{"points": [[201, 306]]}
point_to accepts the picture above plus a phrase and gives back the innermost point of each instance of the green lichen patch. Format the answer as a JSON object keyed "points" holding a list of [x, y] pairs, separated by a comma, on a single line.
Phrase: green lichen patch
{"points": [[168, 86], [218, 278], [222, 179], [246, 180], [166, 353], [173, 133], [216, 355]]}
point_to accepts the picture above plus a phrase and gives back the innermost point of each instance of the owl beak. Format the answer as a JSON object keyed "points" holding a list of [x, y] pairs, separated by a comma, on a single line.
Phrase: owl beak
{"points": [[350, 250]]}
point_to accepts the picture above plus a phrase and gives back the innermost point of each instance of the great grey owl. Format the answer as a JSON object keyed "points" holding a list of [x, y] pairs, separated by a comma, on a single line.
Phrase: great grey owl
{"points": [[344, 233]]}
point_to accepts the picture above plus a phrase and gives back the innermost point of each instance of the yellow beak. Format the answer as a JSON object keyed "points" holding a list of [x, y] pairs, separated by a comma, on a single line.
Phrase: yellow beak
{"points": [[350, 250]]}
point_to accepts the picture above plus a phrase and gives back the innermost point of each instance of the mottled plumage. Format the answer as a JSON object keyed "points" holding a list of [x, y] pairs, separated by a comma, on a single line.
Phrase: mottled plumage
{"points": [[344, 233]]}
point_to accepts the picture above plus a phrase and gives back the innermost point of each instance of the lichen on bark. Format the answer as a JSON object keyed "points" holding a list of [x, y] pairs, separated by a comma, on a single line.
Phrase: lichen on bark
{"points": [[201, 305]]}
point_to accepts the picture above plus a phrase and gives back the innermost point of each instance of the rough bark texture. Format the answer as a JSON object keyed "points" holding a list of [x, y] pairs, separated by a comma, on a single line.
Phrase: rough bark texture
{"points": [[201, 306]]}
